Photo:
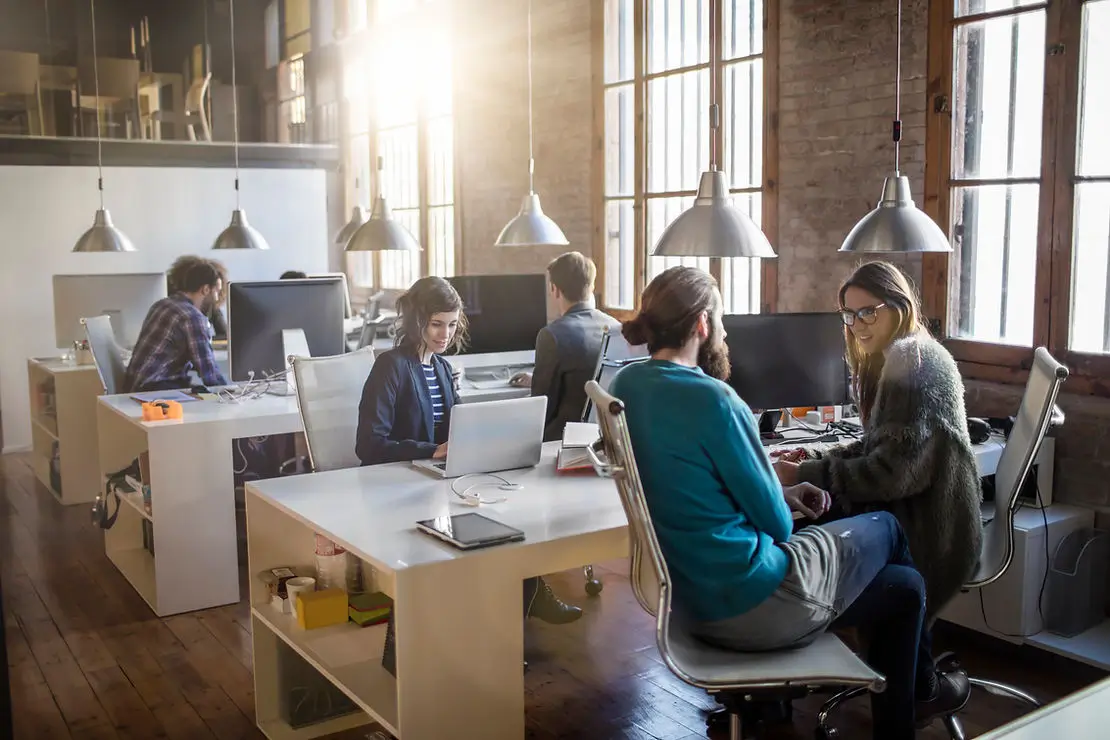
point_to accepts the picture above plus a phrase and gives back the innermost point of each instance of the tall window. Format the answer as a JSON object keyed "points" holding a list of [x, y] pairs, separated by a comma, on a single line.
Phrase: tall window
{"points": [[1020, 165], [657, 61], [399, 89]]}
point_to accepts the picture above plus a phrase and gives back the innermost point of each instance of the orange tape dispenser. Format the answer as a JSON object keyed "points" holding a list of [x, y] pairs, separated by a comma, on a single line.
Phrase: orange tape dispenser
{"points": [[161, 410]]}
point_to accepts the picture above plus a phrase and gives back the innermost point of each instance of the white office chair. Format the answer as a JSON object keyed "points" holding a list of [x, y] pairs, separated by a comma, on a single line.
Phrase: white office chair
{"points": [[107, 355], [328, 394], [741, 679], [1037, 413]]}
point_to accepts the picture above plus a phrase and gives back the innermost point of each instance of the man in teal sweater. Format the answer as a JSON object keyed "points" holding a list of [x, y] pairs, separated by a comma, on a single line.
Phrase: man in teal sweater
{"points": [[742, 579]]}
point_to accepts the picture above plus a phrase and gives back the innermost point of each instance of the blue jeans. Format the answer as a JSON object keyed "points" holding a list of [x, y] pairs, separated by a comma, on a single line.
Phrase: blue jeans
{"points": [[884, 598]]}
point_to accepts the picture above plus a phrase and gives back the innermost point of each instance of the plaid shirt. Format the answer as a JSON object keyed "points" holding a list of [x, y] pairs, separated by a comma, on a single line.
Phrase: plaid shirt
{"points": [[175, 338]]}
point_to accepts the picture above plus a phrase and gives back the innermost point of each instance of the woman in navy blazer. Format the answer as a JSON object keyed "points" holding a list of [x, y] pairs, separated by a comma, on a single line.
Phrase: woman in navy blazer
{"points": [[405, 412]]}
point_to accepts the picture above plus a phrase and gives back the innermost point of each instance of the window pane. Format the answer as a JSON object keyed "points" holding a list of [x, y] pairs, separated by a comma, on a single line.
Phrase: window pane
{"points": [[401, 181], [441, 162], [743, 26], [741, 278], [620, 257], [660, 213], [441, 241], [298, 17], [743, 123], [1090, 317], [619, 40], [998, 90], [360, 268], [974, 7], [678, 34], [678, 131], [397, 64], [400, 269], [993, 266], [1094, 144], [620, 164]]}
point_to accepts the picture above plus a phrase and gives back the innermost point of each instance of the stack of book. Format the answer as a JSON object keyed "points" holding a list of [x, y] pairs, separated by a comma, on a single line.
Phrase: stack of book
{"points": [[573, 455]]}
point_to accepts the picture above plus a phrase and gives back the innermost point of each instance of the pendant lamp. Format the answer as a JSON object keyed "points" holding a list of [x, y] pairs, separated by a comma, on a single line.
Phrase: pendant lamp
{"points": [[381, 233], [713, 227], [240, 234], [358, 218], [530, 227], [103, 236], [896, 225]]}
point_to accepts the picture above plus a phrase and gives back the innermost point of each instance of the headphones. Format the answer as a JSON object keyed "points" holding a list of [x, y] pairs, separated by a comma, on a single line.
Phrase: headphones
{"points": [[471, 497]]}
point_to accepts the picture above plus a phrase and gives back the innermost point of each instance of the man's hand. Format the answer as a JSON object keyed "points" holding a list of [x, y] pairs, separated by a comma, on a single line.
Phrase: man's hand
{"points": [[808, 499], [787, 471], [440, 453], [795, 455], [521, 380]]}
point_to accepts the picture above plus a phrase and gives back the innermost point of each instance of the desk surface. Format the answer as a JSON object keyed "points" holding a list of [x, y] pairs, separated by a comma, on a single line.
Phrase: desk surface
{"points": [[372, 511], [205, 411], [1084, 714]]}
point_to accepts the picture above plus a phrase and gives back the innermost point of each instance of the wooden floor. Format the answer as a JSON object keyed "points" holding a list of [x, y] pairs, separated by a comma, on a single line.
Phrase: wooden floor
{"points": [[89, 660]]}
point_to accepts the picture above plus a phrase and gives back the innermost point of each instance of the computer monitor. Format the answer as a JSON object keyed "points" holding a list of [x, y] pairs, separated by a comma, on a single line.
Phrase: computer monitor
{"points": [[347, 310], [125, 298], [788, 360], [504, 312], [258, 312], [615, 354]]}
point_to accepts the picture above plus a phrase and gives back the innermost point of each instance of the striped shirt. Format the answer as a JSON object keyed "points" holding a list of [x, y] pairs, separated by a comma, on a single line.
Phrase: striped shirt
{"points": [[436, 392]]}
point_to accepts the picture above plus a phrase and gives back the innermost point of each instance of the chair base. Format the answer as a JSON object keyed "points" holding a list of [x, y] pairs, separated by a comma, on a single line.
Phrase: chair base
{"points": [[951, 722], [745, 712], [593, 584]]}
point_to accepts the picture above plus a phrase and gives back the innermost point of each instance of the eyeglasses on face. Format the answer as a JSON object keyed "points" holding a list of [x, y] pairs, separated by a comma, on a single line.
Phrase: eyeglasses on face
{"points": [[867, 314]]}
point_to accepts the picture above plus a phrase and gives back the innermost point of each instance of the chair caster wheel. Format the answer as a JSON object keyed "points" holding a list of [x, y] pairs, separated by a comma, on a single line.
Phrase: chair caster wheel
{"points": [[826, 733], [593, 587]]}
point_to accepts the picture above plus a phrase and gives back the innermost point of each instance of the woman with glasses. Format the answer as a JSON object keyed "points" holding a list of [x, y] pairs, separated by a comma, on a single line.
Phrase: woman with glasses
{"points": [[914, 458]]}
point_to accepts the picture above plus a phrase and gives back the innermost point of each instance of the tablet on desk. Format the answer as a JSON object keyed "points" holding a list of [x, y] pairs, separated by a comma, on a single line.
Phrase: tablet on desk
{"points": [[470, 531]]}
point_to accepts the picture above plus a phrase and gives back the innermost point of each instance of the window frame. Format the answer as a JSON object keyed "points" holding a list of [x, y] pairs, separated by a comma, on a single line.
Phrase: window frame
{"points": [[365, 37], [1055, 240], [640, 78]]}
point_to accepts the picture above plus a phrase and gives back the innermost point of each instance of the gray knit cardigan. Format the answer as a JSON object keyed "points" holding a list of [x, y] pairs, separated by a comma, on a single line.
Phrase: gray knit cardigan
{"points": [[915, 460]]}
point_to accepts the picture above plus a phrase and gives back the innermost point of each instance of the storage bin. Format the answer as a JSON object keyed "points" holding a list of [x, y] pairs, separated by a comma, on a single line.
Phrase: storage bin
{"points": [[1076, 588]]}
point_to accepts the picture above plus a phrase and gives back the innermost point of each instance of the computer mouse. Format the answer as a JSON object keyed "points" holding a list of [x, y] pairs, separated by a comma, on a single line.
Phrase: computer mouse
{"points": [[979, 430]]}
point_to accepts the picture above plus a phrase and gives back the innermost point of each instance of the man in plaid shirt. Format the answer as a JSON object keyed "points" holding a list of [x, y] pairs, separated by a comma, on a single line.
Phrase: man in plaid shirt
{"points": [[176, 337]]}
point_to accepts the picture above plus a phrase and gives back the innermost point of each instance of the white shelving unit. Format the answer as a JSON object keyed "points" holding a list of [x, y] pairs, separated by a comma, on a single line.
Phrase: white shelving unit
{"points": [[63, 427]]}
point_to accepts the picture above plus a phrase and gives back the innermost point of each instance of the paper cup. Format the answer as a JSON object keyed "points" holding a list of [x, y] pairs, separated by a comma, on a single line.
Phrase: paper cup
{"points": [[298, 585]]}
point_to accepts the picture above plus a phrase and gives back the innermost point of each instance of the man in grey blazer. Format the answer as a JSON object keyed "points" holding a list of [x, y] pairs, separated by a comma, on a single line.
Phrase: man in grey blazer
{"points": [[567, 349]]}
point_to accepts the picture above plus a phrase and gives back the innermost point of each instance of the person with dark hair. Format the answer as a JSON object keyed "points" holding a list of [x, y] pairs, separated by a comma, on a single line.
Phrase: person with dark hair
{"points": [[293, 275], [568, 347], [405, 411], [743, 580], [915, 457], [174, 277], [176, 337]]}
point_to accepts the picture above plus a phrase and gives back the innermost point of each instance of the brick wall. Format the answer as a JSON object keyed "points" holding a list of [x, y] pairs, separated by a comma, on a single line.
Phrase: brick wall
{"points": [[491, 119]]}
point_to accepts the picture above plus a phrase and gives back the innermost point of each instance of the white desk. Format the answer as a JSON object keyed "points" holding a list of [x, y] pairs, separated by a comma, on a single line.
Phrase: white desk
{"points": [[1084, 716], [459, 632], [192, 492]]}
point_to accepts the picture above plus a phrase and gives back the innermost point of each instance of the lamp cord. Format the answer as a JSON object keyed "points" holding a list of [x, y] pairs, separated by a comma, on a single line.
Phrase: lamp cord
{"points": [[531, 155], [96, 91], [234, 103], [897, 129]]}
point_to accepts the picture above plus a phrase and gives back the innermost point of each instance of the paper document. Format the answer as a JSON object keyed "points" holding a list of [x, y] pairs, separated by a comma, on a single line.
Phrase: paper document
{"points": [[580, 434], [152, 396]]}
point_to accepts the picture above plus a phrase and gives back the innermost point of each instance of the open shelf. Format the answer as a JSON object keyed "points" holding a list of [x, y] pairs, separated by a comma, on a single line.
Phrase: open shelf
{"points": [[275, 729], [137, 566], [346, 654], [1091, 647], [134, 499]]}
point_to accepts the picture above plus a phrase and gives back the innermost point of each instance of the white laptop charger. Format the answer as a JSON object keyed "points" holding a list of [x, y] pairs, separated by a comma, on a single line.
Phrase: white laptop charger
{"points": [[471, 496]]}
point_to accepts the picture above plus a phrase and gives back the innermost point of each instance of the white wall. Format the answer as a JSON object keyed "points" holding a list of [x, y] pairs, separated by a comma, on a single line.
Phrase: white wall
{"points": [[165, 211]]}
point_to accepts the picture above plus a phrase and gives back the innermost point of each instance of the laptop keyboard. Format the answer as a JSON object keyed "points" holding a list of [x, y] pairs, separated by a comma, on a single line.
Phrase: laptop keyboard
{"points": [[439, 465]]}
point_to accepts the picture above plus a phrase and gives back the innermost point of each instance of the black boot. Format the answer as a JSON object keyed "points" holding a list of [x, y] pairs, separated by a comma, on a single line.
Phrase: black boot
{"points": [[541, 602], [950, 696]]}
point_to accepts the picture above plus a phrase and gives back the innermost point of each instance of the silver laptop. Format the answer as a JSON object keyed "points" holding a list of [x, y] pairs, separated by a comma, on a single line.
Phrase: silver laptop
{"points": [[492, 436]]}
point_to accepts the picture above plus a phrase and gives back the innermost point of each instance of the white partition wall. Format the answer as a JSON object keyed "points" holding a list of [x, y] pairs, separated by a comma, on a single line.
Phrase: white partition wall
{"points": [[166, 211]]}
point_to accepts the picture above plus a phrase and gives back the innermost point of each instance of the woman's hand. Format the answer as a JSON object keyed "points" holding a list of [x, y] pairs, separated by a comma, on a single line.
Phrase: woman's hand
{"points": [[787, 471], [440, 453], [808, 499]]}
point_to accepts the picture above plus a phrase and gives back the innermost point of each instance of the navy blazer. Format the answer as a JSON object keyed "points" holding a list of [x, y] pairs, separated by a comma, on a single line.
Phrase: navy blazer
{"points": [[395, 415]]}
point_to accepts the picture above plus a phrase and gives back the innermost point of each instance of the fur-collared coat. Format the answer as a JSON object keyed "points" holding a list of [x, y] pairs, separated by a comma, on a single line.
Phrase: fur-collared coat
{"points": [[915, 460]]}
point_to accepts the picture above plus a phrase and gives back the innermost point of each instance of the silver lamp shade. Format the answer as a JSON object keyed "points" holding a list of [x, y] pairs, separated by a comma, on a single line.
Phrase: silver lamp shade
{"points": [[240, 234], [531, 228], [896, 225], [103, 236], [381, 233], [712, 227], [358, 218]]}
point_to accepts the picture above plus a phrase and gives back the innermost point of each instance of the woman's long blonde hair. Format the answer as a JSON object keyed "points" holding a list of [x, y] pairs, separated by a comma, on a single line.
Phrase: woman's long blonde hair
{"points": [[891, 287]]}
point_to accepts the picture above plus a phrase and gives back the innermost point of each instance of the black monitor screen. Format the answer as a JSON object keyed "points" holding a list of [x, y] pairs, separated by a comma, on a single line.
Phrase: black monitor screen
{"points": [[788, 359], [258, 312], [505, 312]]}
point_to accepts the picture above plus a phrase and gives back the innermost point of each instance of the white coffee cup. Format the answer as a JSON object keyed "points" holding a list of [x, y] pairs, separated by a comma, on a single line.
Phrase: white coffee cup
{"points": [[298, 585]]}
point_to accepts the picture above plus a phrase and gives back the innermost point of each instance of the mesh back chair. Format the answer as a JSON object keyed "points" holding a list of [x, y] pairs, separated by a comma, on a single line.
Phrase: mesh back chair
{"points": [[328, 393], [107, 354], [1037, 413], [739, 679]]}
